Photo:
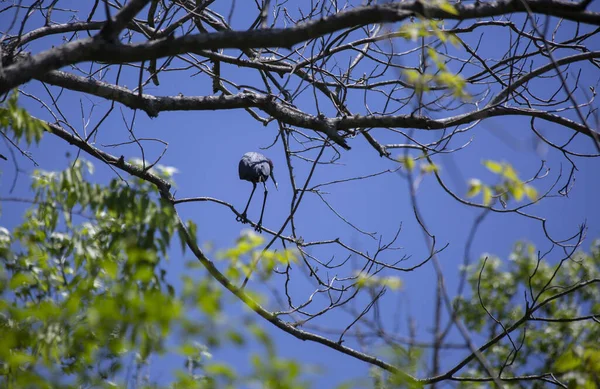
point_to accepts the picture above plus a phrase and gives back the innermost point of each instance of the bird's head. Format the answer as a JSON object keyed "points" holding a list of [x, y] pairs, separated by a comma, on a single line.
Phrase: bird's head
{"points": [[272, 176]]}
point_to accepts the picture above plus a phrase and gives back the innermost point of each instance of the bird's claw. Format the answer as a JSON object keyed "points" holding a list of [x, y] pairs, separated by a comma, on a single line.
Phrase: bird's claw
{"points": [[258, 228], [242, 218]]}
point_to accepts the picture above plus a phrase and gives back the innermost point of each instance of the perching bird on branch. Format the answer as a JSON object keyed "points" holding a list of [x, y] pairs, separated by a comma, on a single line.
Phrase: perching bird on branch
{"points": [[255, 167]]}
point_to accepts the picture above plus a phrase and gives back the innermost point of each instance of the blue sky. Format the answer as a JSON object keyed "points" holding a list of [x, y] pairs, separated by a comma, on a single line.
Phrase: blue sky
{"points": [[206, 147]]}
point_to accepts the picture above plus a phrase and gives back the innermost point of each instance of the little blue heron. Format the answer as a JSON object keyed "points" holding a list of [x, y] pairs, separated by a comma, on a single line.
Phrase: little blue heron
{"points": [[255, 167]]}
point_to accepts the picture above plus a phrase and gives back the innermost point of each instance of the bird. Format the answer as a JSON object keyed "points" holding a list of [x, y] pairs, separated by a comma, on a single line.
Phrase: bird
{"points": [[255, 167]]}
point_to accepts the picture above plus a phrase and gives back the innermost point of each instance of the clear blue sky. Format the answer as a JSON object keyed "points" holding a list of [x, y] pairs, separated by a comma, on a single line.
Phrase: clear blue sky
{"points": [[206, 147]]}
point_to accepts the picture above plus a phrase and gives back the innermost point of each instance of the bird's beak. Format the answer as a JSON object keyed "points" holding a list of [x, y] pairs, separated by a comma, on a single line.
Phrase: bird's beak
{"points": [[273, 178]]}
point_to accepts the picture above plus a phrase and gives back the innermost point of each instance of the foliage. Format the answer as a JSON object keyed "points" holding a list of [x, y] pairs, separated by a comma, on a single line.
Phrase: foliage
{"points": [[556, 341], [510, 186], [85, 293], [246, 254], [372, 281], [442, 77], [19, 122], [408, 360], [426, 166]]}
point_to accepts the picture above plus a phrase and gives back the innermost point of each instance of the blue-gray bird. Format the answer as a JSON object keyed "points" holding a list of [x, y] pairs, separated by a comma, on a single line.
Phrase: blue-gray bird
{"points": [[255, 167]]}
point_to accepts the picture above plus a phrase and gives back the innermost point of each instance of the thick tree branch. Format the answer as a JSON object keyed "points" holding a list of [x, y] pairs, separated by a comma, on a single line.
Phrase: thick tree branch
{"points": [[153, 105], [113, 27], [101, 50], [59, 29]]}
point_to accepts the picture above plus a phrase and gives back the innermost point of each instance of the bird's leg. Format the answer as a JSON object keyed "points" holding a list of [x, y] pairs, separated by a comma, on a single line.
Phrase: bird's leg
{"points": [[259, 225], [242, 218]]}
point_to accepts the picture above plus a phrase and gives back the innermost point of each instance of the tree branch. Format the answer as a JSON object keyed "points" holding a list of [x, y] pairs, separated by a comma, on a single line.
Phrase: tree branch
{"points": [[97, 50], [153, 105], [113, 28]]}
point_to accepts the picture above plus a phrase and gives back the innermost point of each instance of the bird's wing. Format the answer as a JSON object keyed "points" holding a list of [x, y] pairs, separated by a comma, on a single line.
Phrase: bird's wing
{"points": [[263, 169], [242, 170]]}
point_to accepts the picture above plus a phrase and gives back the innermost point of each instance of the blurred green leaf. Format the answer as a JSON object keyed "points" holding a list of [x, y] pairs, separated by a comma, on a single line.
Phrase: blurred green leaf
{"points": [[407, 161], [493, 166], [487, 195], [474, 187], [530, 192], [567, 362], [427, 168]]}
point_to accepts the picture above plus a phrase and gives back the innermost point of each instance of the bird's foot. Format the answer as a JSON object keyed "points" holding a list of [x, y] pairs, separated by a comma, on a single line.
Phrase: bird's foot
{"points": [[242, 218], [258, 228]]}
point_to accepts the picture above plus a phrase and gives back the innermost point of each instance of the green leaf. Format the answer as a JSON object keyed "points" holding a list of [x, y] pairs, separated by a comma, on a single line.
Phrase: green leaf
{"points": [[453, 81], [530, 192], [413, 31], [18, 358], [144, 274], [567, 362], [407, 161], [188, 350], [219, 369], [449, 8], [391, 282], [475, 186], [591, 358], [111, 268], [19, 122], [517, 191], [370, 281], [510, 174], [20, 280], [427, 168], [487, 195], [193, 230], [454, 39], [493, 166], [446, 6]]}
